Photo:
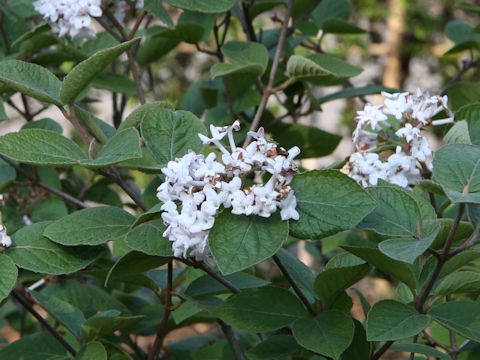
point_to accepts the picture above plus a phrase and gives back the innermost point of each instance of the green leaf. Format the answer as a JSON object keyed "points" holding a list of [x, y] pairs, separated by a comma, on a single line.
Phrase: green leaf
{"points": [[463, 93], [420, 349], [458, 283], [392, 320], [458, 134], [457, 169], [359, 348], [34, 252], [92, 351], [328, 9], [340, 26], [136, 117], [245, 58], [156, 8], [205, 6], [471, 114], [396, 214], [193, 27], [407, 249], [82, 74], [148, 238], [274, 348], [38, 346], [157, 46], [90, 299], [123, 146], [9, 276], [253, 309], [41, 147], [66, 314], [461, 316], [96, 127], [299, 67], [106, 323], [328, 202], [206, 285], [170, 134], [132, 265], [250, 240], [353, 92], [92, 226], [331, 282], [45, 124], [115, 83], [312, 142], [329, 334], [7, 174], [398, 269], [30, 79]]}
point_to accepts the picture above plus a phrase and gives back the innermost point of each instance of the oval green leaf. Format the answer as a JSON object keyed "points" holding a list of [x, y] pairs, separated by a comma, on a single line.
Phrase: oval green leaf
{"points": [[82, 74], [92, 226], [34, 252], [328, 202], [41, 147], [9, 276], [263, 309], [238, 242], [329, 334], [391, 320], [31, 79]]}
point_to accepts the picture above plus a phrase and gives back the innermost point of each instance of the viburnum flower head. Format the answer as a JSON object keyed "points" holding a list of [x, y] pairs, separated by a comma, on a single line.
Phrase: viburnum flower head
{"points": [[5, 240], [73, 18], [406, 115], [198, 187]]}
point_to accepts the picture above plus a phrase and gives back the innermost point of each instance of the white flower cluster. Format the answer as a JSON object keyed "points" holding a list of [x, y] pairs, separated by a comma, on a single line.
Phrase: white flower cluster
{"points": [[5, 240], [70, 17], [74, 17], [197, 186], [405, 115]]}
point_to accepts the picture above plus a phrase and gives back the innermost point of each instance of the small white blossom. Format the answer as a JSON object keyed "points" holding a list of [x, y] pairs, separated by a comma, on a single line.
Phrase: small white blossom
{"points": [[5, 240], [70, 17]]}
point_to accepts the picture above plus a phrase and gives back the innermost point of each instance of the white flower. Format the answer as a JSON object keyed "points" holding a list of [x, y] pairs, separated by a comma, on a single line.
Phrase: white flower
{"points": [[70, 17], [5, 240], [288, 207], [372, 115], [397, 104], [408, 132]]}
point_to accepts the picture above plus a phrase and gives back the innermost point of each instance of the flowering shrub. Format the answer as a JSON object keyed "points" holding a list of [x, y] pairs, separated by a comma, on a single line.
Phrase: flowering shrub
{"points": [[156, 203]]}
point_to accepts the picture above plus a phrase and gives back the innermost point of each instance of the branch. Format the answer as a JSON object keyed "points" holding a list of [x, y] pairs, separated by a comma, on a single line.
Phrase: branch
{"points": [[115, 177], [232, 340], [419, 304], [211, 273], [382, 350], [294, 285], [157, 345], [24, 302], [131, 59], [267, 90], [33, 179]]}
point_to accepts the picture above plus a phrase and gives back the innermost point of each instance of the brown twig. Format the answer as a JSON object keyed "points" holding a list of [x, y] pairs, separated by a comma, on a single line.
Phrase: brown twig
{"points": [[157, 344], [267, 90], [26, 304], [68, 198], [211, 273], [232, 340], [294, 285]]}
